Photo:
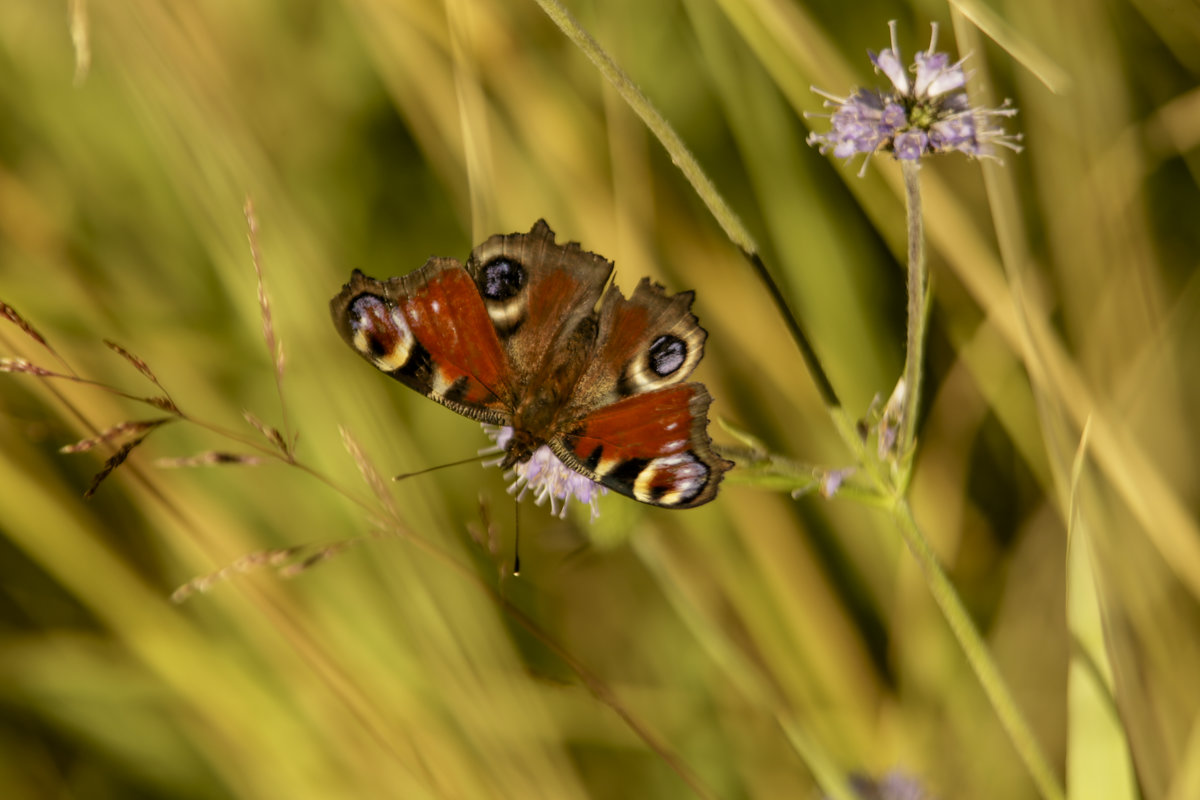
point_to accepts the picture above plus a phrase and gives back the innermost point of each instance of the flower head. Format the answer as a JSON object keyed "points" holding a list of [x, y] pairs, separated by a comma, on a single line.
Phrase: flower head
{"points": [[923, 112], [545, 476], [891, 786]]}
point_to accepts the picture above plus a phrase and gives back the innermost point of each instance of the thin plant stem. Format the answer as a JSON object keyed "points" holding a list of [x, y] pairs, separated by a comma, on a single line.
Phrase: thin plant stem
{"points": [[654, 120], [918, 281], [725, 216], [824, 387], [948, 600], [978, 655]]}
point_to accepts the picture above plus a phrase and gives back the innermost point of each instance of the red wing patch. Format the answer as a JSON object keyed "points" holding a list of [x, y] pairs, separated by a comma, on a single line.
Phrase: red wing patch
{"points": [[652, 447]]}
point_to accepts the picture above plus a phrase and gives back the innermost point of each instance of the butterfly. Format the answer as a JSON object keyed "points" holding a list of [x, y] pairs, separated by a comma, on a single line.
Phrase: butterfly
{"points": [[525, 335]]}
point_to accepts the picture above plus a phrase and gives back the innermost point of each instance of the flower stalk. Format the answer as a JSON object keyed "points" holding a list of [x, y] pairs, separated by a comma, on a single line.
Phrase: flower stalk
{"points": [[926, 111], [980, 658], [918, 286]]}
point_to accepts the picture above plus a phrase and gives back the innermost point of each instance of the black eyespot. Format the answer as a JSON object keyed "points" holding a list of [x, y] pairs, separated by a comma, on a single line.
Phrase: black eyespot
{"points": [[501, 279], [377, 346], [667, 354]]}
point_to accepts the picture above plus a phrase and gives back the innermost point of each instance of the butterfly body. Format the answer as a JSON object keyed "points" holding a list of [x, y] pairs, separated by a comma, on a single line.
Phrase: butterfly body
{"points": [[525, 335]]}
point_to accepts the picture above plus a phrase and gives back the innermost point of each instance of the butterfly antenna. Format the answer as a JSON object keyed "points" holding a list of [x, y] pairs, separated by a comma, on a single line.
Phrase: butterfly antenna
{"points": [[516, 538], [404, 475]]}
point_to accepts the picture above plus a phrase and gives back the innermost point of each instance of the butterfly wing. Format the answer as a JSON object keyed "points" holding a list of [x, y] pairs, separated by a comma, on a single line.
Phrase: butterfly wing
{"points": [[430, 331], [653, 447], [640, 430], [541, 298], [647, 342]]}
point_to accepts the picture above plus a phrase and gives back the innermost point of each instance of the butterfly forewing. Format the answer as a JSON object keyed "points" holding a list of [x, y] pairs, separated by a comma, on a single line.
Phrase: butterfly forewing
{"points": [[430, 331], [536, 293]]}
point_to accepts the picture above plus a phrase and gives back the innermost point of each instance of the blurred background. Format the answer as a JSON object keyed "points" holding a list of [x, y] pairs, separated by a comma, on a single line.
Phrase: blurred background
{"points": [[737, 650]]}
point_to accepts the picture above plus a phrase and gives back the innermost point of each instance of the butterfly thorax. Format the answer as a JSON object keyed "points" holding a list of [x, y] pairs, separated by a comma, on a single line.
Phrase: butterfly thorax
{"points": [[538, 416], [520, 448]]}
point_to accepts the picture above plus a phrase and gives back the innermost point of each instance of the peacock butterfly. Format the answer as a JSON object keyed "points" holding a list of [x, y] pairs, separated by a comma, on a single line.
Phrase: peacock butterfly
{"points": [[515, 338]]}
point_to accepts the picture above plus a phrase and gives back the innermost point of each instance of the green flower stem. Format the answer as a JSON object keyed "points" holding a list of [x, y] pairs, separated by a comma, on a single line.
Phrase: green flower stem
{"points": [[918, 281], [944, 594], [978, 655]]}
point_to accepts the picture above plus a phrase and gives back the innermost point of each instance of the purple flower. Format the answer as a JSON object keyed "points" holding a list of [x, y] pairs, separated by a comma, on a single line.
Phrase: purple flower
{"points": [[832, 481], [892, 786], [545, 476], [925, 112]]}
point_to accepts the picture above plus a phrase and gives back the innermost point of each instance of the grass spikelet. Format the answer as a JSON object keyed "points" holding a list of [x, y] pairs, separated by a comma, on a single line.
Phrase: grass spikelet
{"points": [[270, 433], [246, 564], [211, 458], [116, 460], [264, 301], [274, 345], [324, 554], [9, 313], [138, 364], [163, 402], [22, 366], [367, 469], [280, 559], [116, 431]]}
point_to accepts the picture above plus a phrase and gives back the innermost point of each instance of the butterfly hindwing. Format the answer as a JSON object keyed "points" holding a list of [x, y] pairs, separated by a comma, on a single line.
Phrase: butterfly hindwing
{"points": [[653, 447], [644, 343], [430, 331]]}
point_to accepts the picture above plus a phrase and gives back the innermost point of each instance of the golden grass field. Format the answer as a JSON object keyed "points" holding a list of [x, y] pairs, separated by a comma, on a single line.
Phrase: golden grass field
{"points": [[763, 646]]}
